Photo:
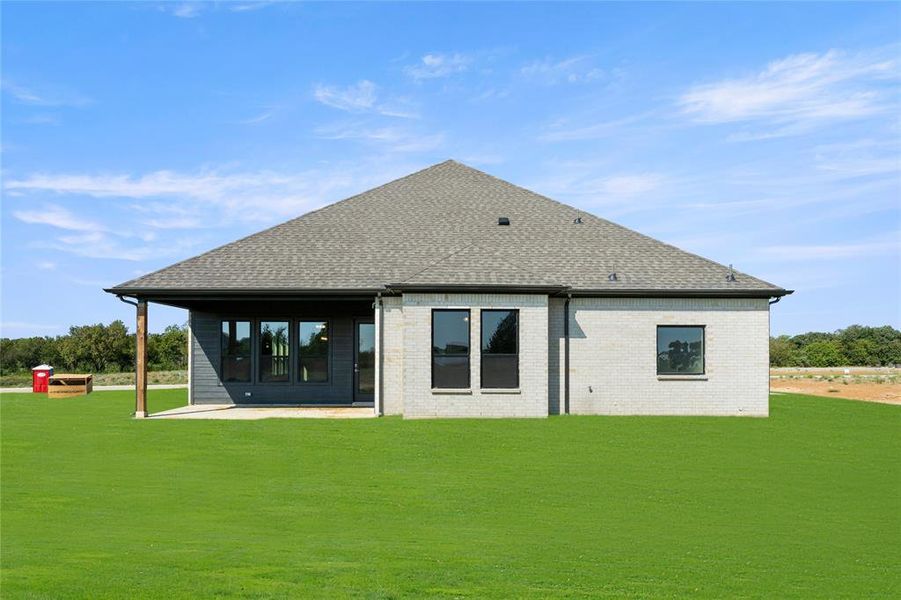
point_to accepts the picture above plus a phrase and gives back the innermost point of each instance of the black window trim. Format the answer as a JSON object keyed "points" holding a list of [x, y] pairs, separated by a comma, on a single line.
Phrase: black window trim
{"points": [[252, 357], [259, 348], [328, 326], [482, 354], [432, 354], [703, 329]]}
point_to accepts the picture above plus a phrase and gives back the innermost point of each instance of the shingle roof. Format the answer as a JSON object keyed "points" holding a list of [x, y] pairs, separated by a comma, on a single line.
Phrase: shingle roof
{"points": [[439, 227]]}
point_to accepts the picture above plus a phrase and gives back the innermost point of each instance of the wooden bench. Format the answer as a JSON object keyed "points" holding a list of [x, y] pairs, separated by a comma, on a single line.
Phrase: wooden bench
{"points": [[65, 385]]}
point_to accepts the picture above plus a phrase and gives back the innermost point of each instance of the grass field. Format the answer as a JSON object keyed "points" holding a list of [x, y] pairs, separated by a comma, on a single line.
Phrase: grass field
{"points": [[803, 504]]}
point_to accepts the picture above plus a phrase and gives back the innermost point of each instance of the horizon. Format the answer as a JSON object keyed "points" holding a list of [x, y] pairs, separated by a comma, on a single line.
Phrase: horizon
{"points": [[762, 136]]}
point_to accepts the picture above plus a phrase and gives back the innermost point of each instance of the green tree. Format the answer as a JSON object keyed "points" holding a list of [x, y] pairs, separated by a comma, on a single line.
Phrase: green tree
{"points": [[98, 348], [783, 353], [168, 351], [825, 353]]}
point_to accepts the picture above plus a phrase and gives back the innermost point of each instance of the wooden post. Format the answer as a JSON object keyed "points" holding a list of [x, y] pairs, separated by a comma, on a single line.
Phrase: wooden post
{"points": [[141, 362]]}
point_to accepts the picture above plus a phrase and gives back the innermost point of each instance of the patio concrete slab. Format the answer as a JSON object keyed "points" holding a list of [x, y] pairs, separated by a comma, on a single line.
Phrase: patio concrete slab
{"points": [[245, 413]]}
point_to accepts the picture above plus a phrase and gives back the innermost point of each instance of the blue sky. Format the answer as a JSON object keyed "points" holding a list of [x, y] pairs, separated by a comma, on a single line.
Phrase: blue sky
{"points": [[763, 135]]}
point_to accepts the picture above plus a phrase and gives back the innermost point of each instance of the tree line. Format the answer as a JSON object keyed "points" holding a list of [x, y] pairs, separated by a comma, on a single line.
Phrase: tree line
{"points": [[856, 345], [111, 349], [95, 349]]}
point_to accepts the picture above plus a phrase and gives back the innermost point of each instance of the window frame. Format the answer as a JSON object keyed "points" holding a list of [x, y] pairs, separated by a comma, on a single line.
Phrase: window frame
{"points": [[296, 362], [259, 349], [468, 354], [482, 350], [252, 379], [703, 371]]}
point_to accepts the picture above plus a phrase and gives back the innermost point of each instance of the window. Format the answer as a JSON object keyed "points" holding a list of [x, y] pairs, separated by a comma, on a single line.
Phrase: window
{"points": [[274, 363], [450, 349], [235, 351], [680, 350], [312, 348], [500, 349]]}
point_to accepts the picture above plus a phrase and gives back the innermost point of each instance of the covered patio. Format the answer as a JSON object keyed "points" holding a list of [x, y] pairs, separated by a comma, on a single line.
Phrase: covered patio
{"points": [[270, 354]]}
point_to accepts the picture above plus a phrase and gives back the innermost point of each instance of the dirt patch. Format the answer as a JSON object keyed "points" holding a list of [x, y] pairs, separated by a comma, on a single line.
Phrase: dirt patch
{"points": [[886, 393]]}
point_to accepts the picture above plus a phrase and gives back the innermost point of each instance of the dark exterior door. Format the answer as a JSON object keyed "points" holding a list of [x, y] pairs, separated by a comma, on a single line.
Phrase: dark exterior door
{"points": [[364, 361]]}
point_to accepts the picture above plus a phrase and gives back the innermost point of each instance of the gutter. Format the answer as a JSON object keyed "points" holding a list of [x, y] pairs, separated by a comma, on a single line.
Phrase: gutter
{"points": [[475, 289], [228, 292], [566, 355], [696, 293], [395, 288]]}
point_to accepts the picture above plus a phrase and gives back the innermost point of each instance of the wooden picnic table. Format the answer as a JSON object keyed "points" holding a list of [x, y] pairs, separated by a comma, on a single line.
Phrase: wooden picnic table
{"points": [[64, 385]]}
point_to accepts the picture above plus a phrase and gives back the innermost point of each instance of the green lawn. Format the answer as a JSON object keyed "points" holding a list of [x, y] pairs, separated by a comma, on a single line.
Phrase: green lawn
{"points": [[803, 504]]}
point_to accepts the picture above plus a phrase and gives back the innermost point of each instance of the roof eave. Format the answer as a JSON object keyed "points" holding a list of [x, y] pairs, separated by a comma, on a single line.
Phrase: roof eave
{"points": [[477, 288], [210, 293], [681, 293]]}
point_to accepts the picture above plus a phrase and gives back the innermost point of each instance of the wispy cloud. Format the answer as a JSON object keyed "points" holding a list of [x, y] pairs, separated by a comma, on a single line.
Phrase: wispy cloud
{"points": [[45, 265], [107, 245], [56, 216], [40, 119], [362, 97], [835, 251], [248, 6], [568, 129], [798, 91], [575, 69], [437, 65], [860, 158], [210, 196], [45, 95], [261, 117], [628, 185], [354, 98], [186, 10], [580, 181], [190, 10], [394, 139], [171, 210]]}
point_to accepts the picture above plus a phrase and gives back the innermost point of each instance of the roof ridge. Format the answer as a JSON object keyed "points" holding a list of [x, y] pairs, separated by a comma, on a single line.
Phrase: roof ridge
{"points": [[435, 262], [507, 260], [490, 250]]}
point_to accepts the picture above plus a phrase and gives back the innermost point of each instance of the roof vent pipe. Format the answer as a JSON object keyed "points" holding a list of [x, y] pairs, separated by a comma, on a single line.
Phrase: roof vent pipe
{"points": [[730, 276], [503, 220]]}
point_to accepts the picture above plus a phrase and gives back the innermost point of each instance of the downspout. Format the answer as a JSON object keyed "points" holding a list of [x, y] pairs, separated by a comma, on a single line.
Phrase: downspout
{"points": [[135, 362], [566, 354], [378, 365], [769, 325]]}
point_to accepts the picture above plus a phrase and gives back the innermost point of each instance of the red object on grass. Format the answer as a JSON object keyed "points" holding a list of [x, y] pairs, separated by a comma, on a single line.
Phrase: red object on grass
{"points": [[40, 375]]}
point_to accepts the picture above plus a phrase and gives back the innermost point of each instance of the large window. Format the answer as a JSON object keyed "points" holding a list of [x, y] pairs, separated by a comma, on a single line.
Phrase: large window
{"points": [[680, 350], [312, 340], [500, 349], [236, 351], [274, 362], [450, 349]]}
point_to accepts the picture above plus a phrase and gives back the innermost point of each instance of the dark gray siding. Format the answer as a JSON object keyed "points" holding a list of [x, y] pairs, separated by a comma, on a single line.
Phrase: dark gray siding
{"points": [[206, 327]]}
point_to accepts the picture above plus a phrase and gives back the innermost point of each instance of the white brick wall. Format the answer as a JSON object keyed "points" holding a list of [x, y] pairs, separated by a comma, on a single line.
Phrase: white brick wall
{"points": [[420, 401], [613, 367], [392, 356]]}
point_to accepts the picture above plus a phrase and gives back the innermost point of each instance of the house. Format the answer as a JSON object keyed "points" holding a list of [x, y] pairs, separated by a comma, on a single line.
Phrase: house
{"points": [[451, 293]]}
